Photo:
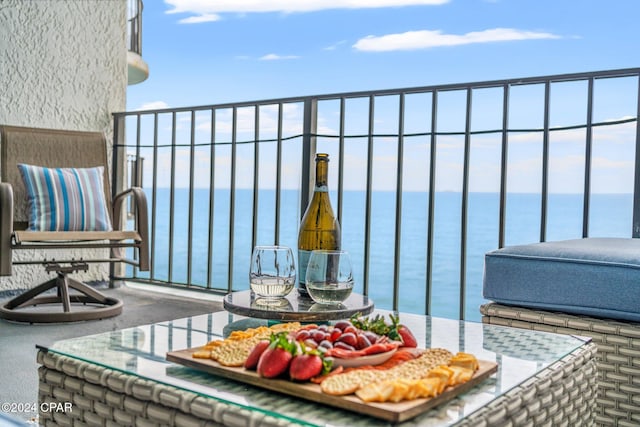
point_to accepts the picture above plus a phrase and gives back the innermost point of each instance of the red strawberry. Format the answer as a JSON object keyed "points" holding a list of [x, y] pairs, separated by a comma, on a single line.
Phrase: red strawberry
{"points": [[305, 366], [254, 356], [408, 340], [308, 365], [275, 359]]}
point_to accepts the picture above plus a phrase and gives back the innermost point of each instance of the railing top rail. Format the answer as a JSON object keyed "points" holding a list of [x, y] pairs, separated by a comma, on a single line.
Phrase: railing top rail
{"points": [[618, 73]]}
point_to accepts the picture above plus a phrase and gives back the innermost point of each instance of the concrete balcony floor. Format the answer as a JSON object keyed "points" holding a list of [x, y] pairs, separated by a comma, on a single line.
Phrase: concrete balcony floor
{"points": [[143, 304]]}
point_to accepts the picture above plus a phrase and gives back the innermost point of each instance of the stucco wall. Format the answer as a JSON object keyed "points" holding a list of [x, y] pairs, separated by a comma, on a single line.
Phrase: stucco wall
{"points": [[62, 65]]}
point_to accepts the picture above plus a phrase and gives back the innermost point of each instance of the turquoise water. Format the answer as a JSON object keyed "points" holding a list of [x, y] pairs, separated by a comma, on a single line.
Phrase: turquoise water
{"points": [[611, 215]]}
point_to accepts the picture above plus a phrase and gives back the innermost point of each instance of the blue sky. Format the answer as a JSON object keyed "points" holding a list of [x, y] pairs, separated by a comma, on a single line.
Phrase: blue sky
{"points": [[203, 52], [212, 51]]}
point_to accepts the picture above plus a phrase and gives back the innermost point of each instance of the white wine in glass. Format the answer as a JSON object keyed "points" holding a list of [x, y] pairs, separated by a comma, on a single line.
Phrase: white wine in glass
{"points": [[272, 274], [329, 276]]}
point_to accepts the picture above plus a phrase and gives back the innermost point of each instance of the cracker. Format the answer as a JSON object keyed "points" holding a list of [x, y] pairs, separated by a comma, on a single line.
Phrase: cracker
{"points": [[234, 350], [351, 381], [202, 354]]}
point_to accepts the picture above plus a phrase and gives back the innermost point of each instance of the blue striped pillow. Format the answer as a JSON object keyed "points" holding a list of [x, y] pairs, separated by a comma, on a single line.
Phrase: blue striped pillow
{"points": [[65, 199]]}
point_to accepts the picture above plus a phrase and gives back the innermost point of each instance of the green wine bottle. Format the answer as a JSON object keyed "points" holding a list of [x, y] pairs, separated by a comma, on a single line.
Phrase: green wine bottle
{"points": [[319, 228]]}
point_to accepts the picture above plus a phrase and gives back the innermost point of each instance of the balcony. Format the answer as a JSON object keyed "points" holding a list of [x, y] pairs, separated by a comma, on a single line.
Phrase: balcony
{"points": [[137, 68], [424, 180]]}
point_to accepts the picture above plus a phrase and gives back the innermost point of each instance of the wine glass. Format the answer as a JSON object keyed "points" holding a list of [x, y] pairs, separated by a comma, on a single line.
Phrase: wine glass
{"points": [[272, 274], [329, 277]]}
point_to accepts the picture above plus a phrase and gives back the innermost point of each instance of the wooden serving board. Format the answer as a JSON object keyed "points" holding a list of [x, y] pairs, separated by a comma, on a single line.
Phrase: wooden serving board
{"points": [[394, 412]]}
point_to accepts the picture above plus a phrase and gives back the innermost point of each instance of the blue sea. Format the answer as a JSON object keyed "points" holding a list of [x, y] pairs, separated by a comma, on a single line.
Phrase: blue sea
{"points": [[610, 215]]}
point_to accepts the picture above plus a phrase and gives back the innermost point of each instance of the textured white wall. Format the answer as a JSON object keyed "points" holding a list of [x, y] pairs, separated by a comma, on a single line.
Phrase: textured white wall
{"points": [[63, 64]]}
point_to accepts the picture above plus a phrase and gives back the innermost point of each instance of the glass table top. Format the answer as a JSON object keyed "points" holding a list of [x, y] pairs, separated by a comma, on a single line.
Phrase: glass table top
{"points": [[140, 351]]}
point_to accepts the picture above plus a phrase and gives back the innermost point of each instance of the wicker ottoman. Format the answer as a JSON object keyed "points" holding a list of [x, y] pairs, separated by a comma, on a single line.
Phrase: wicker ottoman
{"points": [[618, 357]]}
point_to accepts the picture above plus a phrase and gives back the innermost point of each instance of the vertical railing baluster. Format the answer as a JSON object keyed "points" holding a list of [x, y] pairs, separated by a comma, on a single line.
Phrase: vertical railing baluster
{"points": [[172, 188], [504, 165], [169, 340], [192, 154], [278, 175], [154, 199], [309, 141], [465, 204], [587, 160], [152, 337], [398, 230], [189, 332], [212, 179], [545, 163], [431, 202], [636, 181], [256, 175], [135, 177], [368, 197], [232, 196], [341, 160]]}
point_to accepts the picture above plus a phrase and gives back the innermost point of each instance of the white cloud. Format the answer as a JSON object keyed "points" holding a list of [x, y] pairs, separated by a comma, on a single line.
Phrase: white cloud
{"points": [[275, 57], [336, 45], [153, 105], [425, 39], [207, 10], [206, 17]]}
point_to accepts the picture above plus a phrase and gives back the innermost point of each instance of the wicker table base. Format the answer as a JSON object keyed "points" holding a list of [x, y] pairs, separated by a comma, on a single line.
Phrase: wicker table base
{"points": [[618, 356], [104, 397], [562, 394]]}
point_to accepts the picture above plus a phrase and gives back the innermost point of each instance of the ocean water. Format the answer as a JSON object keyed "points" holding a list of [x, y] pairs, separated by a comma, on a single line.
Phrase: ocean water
{"points": [[610, 215]]}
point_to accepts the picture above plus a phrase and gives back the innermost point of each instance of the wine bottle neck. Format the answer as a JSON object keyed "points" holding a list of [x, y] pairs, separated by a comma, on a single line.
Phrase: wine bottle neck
{"points": [[322, 167]]}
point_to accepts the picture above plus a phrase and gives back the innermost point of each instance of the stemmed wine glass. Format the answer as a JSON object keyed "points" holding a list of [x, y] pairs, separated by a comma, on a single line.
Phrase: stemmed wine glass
{"points": [[272, 274]]}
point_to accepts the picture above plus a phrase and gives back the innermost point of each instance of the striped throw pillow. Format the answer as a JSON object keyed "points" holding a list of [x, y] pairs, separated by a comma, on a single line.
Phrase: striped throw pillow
{"points": [[65, 199]]}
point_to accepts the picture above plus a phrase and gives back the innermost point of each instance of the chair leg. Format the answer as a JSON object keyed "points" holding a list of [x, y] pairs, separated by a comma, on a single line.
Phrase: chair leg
{"points": [[25, 299], [63, 291], [87, 290], [106, 306]]}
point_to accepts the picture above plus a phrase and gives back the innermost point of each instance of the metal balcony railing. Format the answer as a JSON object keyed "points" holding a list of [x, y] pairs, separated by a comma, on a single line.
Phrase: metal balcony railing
{"points": [[424, 180], [134, 26]]}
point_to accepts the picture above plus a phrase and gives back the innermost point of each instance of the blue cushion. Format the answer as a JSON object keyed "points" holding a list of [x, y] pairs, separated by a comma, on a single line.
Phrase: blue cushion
{"points": [[598, 277], [65, 199]]}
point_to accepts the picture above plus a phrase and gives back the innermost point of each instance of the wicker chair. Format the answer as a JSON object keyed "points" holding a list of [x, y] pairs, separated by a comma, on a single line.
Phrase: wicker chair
{"points": [[618, 357], [75, 151]]}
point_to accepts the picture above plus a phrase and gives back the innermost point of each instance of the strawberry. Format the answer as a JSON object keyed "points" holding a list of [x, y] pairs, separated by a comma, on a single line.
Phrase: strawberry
{"points": [[408, 340], [307, 365], [254, 356], [275, 359]]}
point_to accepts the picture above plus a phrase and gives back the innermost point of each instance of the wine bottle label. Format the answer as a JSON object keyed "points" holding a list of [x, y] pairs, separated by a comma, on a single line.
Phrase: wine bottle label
{"points": [[303, 260]]}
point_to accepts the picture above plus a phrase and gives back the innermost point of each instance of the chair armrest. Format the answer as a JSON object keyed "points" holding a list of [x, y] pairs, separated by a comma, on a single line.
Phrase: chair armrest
{"points": [[141, 221], [6, 228]]}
